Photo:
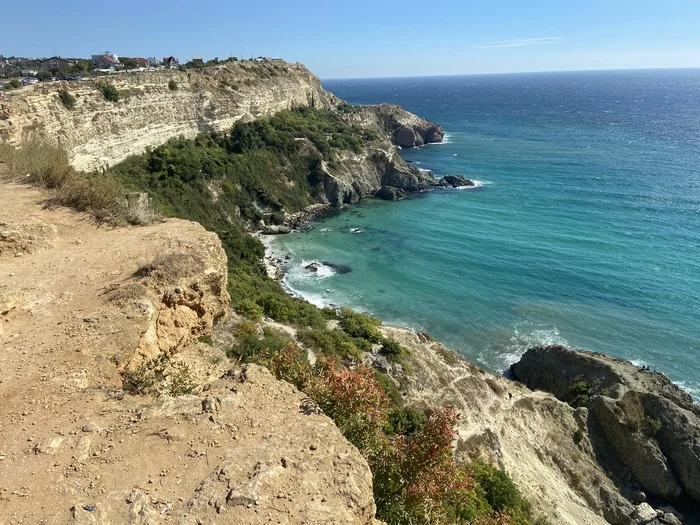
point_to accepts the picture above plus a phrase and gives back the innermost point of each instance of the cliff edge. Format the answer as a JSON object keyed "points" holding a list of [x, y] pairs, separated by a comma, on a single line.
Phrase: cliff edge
{"points": [[90, 318]]}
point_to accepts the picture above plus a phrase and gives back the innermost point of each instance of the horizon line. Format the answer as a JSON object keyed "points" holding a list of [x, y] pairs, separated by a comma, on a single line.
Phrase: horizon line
{"points": [[518, 72]]}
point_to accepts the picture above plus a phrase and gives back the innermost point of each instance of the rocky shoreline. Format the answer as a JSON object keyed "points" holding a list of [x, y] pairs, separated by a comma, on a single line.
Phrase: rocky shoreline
{"points": [[652, 475]]}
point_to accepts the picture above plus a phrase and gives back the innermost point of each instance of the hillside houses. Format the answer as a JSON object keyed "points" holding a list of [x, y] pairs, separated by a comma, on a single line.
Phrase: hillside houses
{"points": [[106, 60], [55, 63]]}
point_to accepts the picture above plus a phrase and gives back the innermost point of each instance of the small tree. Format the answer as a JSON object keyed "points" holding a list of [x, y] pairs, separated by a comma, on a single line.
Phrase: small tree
{"points": [[129, 63], [110, 92], [172, 85], [66, 99]]}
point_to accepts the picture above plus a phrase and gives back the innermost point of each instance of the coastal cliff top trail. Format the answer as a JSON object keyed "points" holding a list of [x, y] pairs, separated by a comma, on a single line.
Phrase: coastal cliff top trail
{"points": [[76, 312]]}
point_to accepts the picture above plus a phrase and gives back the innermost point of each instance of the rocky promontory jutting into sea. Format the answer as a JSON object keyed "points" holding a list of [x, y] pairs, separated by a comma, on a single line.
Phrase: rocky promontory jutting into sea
{"points": [[152, 372]]}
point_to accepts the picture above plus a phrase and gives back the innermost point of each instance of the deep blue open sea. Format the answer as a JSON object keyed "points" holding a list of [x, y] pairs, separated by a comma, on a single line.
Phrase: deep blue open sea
{"points": [[585, 229]]}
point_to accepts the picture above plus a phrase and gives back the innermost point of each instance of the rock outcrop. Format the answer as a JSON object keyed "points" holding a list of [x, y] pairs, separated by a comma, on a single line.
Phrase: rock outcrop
{"points": [[390, 193], [643, 428], [86, 314], [405, 129], [355, 176], [455, 181]]}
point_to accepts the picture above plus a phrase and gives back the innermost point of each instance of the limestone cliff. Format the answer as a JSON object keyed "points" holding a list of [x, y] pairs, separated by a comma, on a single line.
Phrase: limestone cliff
{"points": [[88, 315], [98, 133]]}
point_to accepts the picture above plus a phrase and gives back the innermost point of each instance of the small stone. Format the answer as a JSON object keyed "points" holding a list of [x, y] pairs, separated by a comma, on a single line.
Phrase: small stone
{"points": [[19, 254], [644, 513], [668, 509], [313, 446], [671, 519], [90, 427], [284, 462], [638, 497]]}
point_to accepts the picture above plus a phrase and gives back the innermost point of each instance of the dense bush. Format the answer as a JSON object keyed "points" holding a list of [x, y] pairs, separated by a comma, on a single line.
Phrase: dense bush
{"points": [[360, 325], [108, 90], [172, 85], [66, 99], [391, 348], [331, 342]]}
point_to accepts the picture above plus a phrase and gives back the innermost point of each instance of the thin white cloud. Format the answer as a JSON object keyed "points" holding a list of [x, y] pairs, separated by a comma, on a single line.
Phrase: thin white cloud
{"points": [[522, 42]]}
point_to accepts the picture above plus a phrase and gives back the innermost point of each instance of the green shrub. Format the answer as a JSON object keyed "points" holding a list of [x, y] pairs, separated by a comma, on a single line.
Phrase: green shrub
{"points": [[253, 347], [172, 85], [388, 385], [331, 343], [360, 325], [250, 309], [12, 84], [651, 426], [158, 376], [407, 421], [579, 392], [66, 99], [108, 90], [391, 348]]}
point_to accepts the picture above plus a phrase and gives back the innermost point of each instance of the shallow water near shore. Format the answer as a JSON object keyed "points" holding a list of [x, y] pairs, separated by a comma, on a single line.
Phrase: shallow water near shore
{"points": [[585, 229]]}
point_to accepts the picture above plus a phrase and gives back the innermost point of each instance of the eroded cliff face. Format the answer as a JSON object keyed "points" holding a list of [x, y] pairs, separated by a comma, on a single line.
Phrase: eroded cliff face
{"points": [[98, 133], [82, 310], [644, 429], [405, 129]]}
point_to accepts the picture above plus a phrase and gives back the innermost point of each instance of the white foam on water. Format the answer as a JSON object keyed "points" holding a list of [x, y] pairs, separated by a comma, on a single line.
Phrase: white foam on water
{"points": [[520, 341], [693, 390]]}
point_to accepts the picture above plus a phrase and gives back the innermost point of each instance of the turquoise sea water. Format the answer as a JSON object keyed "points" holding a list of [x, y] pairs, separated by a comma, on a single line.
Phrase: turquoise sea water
{"points": [[585, 230]]}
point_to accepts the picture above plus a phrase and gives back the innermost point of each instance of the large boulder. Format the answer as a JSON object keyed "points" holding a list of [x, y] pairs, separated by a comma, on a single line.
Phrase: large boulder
{"points": [[645, 430]]}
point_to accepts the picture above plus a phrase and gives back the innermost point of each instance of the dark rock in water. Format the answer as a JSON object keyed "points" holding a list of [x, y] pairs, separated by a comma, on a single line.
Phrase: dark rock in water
{"points": [[338, 268], [389, 193], [644, 429], [312, 267], [455, 181]]}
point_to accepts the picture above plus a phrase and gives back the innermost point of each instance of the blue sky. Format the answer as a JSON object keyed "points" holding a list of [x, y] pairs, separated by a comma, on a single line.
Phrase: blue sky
{"points": [[371, 38]]}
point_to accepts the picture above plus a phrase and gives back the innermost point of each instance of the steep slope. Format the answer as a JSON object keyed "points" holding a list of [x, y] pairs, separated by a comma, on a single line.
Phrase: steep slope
{"points": [[88, 315]]}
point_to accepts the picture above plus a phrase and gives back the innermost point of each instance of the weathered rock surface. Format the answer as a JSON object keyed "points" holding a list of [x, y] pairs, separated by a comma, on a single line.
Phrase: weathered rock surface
{"points": [[355, 176], [99, 133], [405, 129], [389, 193], [529, 434], [643, 428], [455, 181], [76, 448]]}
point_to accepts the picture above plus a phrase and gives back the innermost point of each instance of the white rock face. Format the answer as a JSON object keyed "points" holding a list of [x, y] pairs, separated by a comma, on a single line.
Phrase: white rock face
{"points": [[98, 133]]}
